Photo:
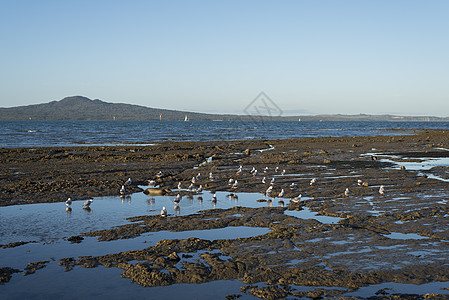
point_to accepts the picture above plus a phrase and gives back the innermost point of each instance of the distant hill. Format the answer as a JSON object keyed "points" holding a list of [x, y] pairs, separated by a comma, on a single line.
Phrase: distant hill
{"points": [[82, 108], [85, 109]]}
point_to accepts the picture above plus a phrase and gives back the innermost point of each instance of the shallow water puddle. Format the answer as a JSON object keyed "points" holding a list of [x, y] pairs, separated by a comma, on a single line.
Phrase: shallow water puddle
{"points": [[53, 282], [18, 257], [405, 236], [306, 213], [46, 222], [403, 288]]}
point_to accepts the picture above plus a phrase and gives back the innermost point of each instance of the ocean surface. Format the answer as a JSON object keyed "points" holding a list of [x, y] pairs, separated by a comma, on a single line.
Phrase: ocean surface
{"points": [[15, 134]]}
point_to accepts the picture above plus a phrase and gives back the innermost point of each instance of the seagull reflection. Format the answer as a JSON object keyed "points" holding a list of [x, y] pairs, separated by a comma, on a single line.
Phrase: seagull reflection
{"points": [[281, 203], [151, 201], [177, 209]]}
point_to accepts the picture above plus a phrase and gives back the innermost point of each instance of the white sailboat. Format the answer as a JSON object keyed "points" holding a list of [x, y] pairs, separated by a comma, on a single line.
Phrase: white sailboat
{"points": [[186, 118]]}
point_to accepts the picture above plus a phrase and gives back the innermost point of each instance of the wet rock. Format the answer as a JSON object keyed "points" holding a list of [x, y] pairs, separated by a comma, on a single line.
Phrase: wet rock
{"points": [[75, 239], [6, 274], [174, 257], [15, 244], [31, 268]]}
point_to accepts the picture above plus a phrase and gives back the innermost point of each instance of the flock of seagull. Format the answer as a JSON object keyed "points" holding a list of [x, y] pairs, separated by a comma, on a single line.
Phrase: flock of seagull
{"points": [[233, 183]]}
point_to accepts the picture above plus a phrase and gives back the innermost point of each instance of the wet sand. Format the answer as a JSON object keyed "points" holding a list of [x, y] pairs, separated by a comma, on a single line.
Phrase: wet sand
{"points": [[401, 237]]}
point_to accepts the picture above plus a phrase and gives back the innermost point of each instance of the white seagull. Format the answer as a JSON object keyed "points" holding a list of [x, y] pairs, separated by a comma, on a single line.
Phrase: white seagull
{"points": [[87, 203], [293, 186], [264, 180], [212, 177], [177, 199], [128, 182], [283, 172], [200, 189], [277, 169], [281, 194], [382, 190], [296, 199], [68, 202], [313, 181], [235, 185], [231, 181], [122, 190], [179, 185], [193, 180], [347, 192], [163, 212]]}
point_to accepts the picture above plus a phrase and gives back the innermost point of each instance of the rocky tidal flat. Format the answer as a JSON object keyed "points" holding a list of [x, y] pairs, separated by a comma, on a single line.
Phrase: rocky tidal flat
{"points": [[372, 239]]}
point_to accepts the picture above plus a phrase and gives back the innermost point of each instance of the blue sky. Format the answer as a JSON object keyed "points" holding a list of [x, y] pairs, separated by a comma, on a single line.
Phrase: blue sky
{"points": [[309, 57]]}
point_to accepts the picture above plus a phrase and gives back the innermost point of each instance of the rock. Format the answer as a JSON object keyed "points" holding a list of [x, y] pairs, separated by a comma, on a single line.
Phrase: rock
{"points": [[156, 192], [173, 256], [247, 152]]}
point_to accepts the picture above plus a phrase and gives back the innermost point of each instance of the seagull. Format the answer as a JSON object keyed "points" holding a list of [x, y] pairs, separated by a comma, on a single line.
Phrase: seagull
{"points": [[273, 180], [179, 185], [87, 204], [281, 194], [122, 190], [190, 188], [264, 180], [214, 197], [159, 174], [198, 176], [265, 170], [239, 171], [163, 212], [313, 181], [230, 181], [359, 182], [68, 202], [253, 170], [200, 189], [177, 199], [151, 182], [293, 186], [296, 199], [211, 176], [283, 172], [382, 190], [277, 169], [254, 173], [193, 180], [235, 185], [347, 192], [269, 190], [128, 182]]}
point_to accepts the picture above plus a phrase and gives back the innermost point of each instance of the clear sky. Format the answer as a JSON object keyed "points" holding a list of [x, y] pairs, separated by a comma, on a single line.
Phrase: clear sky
{"points": [[309, 57]]}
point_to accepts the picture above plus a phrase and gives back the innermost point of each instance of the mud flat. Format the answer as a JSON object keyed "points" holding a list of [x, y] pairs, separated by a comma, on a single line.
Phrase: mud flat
{"points": [[401, 237]]}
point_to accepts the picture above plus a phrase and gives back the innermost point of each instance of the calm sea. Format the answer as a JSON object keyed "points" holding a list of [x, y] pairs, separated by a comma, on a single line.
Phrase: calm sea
{"points": [[74, 133]]}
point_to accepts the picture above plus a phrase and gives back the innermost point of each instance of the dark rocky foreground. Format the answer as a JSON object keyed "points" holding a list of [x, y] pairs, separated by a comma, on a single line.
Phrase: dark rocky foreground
{"points": [[335, 258]]}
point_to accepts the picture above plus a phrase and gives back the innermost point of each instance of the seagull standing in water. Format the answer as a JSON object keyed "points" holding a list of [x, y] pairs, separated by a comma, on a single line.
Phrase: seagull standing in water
{"points": [[177, 199], [382, 190], [68, 202], [87, 204], [164, 212], [200, 189], [179, 185], [122, 190]]}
